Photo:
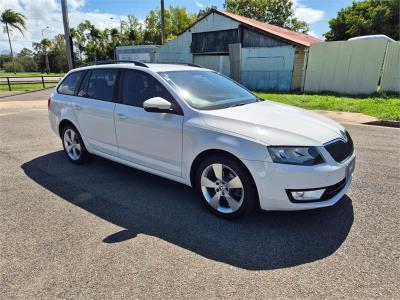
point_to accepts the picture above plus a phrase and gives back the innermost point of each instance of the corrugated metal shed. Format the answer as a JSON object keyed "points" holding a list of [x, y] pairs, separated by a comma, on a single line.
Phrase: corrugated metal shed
{"points": [[145, 53], [179, 49], [219, 63], [299, 68], [347, 67], [266, 59], [276, 31], [391, 70], [267, 68], [251, 38]]}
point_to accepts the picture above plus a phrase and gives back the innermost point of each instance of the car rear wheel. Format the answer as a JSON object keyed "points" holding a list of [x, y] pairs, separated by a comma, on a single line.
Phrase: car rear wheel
{"points": [[226, 187], [73, 145]]}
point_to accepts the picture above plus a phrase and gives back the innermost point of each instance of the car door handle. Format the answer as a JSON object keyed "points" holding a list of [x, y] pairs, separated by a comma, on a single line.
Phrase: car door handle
{"points": [[121, 116], [77, 107]]}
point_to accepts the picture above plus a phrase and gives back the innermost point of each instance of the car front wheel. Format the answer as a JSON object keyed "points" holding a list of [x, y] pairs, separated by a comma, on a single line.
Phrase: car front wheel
{"points": [[226, 187]]}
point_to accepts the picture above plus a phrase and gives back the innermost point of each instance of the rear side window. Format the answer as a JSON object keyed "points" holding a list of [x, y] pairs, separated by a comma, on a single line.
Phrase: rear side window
{"points": [[101, 84], [69, 84], [82, 91], [138, 87]]}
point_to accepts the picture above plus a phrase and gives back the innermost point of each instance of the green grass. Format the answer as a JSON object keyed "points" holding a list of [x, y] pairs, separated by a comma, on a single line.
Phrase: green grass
{"points": [[381, 107], [25, 87], [25, 74]]}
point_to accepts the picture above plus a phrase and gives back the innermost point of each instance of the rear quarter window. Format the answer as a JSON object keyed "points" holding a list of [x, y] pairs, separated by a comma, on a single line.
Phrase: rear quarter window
{"points": [[68, 86]]}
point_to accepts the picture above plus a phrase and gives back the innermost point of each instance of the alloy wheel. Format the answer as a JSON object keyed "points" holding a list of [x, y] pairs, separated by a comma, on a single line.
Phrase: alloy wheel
{"points": [[72, 144], [222, 188]]}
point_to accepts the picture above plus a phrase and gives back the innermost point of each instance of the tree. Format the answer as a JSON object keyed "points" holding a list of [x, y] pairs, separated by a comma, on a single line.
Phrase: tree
{"points": [[95, 35], [205, 11], [115, 38], [297, 25], [58, 54], [134, 31], [43, 48], [24, 62], [177, 19], [78, 39], [94, 44], [4, 58], [25, 58], [364, 18], [152, 31], [12, 20], [275, 12]]}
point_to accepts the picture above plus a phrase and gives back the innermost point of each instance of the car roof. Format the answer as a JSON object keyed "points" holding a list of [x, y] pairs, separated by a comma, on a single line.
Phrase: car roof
{"points": [[155, 67]]}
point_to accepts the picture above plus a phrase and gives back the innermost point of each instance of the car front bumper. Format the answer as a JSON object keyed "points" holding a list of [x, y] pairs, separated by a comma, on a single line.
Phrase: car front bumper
{"points": [[274, 182]]}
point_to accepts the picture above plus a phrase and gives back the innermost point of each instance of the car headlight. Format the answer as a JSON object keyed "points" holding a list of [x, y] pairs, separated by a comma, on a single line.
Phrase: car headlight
{"points": [[304, 156]]}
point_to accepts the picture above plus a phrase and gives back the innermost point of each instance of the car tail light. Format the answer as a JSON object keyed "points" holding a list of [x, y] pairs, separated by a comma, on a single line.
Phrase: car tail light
{"points": [[48, 103]]}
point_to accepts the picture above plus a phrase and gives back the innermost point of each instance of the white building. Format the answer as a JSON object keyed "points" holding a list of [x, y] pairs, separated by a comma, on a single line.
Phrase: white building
{"points": [[144, 53]]}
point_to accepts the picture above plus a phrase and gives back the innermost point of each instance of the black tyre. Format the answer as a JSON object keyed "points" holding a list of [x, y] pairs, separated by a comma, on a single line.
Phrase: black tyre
{"points": [[226, 186], [73, 145]]}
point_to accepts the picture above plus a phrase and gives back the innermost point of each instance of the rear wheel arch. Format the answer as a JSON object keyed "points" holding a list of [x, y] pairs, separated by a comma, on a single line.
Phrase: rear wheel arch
{"points": [[81, 155], [62, 125]]}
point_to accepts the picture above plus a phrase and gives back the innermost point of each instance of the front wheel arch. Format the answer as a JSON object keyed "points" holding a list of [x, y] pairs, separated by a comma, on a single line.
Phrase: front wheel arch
{"points": [[210, 152], [235, 165]]}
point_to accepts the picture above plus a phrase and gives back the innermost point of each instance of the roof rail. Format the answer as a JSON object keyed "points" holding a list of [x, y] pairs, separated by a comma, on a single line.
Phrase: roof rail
{"points": [[107, 62], [195, 65], [179, 63]]}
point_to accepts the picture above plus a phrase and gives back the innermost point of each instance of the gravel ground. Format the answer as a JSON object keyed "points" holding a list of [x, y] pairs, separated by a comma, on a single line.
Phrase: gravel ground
{"points": [[104, 230]]}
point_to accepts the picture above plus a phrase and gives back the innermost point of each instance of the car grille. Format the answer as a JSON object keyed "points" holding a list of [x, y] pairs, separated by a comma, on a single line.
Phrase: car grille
{"points": [[339, 149], [333, 190]]}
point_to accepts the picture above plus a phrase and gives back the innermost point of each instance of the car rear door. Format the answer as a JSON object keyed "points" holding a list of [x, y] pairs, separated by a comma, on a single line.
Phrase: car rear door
{"points": [[94, 107], [150, 139]]}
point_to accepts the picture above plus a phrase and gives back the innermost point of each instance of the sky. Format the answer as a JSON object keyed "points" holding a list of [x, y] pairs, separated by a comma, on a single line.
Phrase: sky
{"points": [[43, 13]]}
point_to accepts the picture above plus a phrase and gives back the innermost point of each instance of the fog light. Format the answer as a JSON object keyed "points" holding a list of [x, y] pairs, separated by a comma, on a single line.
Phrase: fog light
{"points": [[307, 195]]}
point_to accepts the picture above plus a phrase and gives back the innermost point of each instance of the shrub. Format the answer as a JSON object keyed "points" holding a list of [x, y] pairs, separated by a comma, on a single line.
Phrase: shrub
{"points": [[8, 67]]}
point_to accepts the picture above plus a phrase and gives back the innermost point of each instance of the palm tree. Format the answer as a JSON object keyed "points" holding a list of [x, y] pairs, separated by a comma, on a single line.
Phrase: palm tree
{"points": [[95, 35], [43, 47], [115, 36], [12, 20], [46, 43]]}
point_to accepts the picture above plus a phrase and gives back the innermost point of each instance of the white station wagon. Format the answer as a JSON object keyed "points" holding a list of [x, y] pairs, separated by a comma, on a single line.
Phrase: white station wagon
{"points": [[195, 126]]}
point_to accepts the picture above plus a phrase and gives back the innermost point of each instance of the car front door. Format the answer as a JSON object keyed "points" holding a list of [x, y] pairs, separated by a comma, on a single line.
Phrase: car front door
{"points": [[150, 139], [94, 107]]}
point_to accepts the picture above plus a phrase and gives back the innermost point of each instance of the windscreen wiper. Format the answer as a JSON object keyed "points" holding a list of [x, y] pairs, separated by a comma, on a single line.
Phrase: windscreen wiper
{"points": [[239, 104]]}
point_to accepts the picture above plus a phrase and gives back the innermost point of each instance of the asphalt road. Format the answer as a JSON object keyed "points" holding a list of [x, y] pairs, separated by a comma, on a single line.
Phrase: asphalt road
{"points": [[104, 230]]}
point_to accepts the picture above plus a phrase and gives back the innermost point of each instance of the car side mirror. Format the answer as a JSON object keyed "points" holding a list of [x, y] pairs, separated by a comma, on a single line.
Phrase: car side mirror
{"points": [[157, 104]]}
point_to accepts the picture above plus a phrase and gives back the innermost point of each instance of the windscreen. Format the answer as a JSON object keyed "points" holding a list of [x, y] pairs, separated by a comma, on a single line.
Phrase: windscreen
{"points": [[207, 90]]}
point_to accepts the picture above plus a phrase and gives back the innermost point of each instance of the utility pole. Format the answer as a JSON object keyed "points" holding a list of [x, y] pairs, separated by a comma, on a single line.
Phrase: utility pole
{"points": [[120, 25], [162, 23], [67, 36]]}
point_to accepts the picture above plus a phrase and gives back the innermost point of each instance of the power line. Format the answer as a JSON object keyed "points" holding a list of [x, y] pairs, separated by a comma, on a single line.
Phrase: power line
{"points": [[17, 41]]}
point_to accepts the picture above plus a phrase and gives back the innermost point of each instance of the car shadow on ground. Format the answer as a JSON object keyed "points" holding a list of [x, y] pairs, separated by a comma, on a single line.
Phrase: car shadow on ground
{"points": [[146, 204]]}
